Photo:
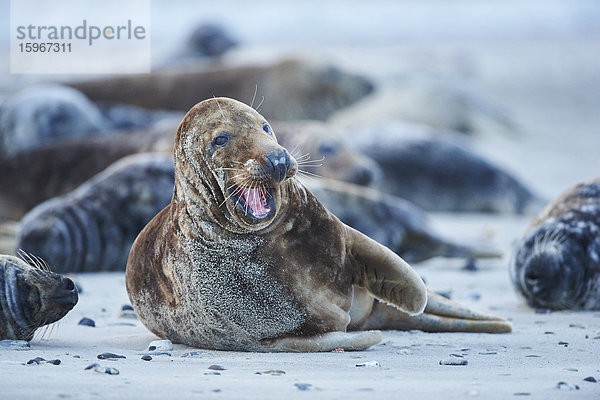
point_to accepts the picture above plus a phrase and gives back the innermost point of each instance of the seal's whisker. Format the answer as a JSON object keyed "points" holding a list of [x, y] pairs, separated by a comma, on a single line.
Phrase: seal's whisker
{"points": [[232, 169], [259, 104], [300, 177], [311, 163], [237, 191], [307, 173], [220, 109], [303, 157], [294, 150], [254, 96], [304, 162]]}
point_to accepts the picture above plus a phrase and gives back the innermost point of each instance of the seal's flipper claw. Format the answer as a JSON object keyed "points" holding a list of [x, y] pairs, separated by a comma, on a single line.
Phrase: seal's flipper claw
{"points": [[349, 341]]}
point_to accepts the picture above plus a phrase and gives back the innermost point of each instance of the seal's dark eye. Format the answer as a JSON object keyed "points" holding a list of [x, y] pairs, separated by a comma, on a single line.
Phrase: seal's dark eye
{"points": [[222, 139], [267, 128], [328, 149]]}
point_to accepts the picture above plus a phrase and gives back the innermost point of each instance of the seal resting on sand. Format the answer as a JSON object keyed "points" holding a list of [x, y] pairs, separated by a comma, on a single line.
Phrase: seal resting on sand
{"points": [[556, 264], [244, 258], [31, 296]]}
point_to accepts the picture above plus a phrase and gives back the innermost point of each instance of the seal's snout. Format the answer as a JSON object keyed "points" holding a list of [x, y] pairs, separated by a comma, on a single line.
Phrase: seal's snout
{"points": [[66, 294], [277, 164], [542, 278]]}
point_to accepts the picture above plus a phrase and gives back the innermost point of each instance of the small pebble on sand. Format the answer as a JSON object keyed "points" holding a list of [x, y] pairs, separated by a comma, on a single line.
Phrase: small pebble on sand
{"points": [[273, 372], [590, 379], [215, 367], [87, 322], [110, 356], [303, 386], [454, 361], [368, 364], [146, 358]]}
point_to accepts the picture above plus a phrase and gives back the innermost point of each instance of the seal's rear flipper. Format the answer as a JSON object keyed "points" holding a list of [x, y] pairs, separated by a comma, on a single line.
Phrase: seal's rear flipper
{"points": [[349, 341], [440, 315]]}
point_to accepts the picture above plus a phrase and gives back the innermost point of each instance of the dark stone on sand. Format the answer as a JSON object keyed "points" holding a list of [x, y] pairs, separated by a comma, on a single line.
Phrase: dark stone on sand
{"points": [[215, 367], [454, 361], [87, 322], [590, 379], [303, 386], [471, 266], [127, 307], [146, 358], [109, 356], [561, 343], [94, 365]]}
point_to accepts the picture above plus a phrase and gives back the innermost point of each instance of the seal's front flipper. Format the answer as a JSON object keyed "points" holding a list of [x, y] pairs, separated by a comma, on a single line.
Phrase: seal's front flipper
{"points": [[349, 341], [440, 315], [384, 274]]}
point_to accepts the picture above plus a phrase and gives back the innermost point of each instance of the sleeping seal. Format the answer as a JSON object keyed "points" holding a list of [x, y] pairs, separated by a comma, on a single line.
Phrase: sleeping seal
{"points": [[556, 264], [245, 258], [31, 296]]}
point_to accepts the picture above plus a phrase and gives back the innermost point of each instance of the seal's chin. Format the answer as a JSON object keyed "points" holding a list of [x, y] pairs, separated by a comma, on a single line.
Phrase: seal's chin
{"points": [[256, 203]]}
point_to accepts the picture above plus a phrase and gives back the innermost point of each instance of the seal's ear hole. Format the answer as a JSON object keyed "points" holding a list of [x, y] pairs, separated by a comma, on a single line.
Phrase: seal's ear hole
{"points": [[221, 139], [267, 128]]}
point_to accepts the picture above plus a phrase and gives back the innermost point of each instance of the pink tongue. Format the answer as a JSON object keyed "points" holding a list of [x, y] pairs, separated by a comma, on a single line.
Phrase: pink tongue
{"points": [[256, 200]]}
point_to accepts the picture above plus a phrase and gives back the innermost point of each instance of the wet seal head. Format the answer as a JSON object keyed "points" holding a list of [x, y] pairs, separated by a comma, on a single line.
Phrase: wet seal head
{"points": [[228, 161]]}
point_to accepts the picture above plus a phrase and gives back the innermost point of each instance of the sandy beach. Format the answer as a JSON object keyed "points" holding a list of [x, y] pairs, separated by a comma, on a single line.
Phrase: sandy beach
{"points": [[543, 71]]}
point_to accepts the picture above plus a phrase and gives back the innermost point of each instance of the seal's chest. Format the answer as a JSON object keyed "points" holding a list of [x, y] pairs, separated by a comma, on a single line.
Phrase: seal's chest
{"points": [[236, 290]]}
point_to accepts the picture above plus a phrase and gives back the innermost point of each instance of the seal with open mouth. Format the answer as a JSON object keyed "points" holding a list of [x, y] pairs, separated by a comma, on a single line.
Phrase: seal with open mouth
{"points": [[246, 258]]}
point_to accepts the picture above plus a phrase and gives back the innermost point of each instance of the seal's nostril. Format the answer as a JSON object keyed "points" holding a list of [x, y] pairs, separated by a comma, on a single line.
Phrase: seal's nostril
{"points": [[69, 285], [277, 164]]}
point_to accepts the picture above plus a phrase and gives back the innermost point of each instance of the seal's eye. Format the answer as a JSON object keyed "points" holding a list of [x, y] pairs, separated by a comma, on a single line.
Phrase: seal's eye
{"points": [[267, 128], [222, 139]]}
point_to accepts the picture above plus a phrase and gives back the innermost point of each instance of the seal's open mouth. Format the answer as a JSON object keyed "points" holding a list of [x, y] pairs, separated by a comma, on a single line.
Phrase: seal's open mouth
{"points": [[258, 203]]}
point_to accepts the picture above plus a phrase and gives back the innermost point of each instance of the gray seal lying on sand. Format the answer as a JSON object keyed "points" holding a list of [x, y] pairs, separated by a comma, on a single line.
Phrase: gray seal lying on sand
{"points": [[31, 296], [93, 227], [289, 89], [55, 169], [44, 113], [556, 264], [244, 258], [440, 175]]}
